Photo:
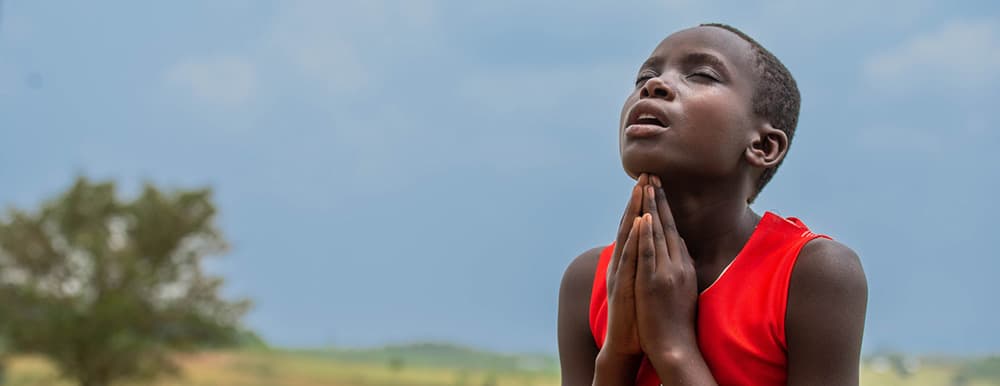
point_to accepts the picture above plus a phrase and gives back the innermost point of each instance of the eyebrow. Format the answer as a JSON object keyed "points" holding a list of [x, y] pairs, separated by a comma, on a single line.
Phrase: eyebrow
{"points": [[696, 58], [654, 62], [690, 60]]}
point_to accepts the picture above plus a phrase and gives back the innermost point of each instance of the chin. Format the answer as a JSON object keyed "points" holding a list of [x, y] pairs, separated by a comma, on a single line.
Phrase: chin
{"points": [[636, 163]]}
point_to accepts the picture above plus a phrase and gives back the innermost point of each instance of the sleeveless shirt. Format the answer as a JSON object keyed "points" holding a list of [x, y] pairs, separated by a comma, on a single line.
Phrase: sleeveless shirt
{"points": [[741, 316]]}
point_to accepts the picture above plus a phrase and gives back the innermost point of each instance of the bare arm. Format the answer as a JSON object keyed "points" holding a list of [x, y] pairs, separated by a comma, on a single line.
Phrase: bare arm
{"points": [[825, 318], [577, 350]]}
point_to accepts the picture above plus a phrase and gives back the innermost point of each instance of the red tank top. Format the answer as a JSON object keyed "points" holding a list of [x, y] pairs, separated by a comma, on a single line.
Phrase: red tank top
{"points": [[741, 316]]}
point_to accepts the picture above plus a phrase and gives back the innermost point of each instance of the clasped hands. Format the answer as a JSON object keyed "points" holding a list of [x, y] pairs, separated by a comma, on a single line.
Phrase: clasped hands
{"points": [[651, 281]]}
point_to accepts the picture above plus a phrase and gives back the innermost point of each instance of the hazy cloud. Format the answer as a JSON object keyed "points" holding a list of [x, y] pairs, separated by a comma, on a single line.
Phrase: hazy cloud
{"points": [[962, 55], [339, 44], [222, 81], [544, 88]]}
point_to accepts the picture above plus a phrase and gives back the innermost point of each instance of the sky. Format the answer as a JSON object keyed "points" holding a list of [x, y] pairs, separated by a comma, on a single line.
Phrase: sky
{"points": [[398, 171]]}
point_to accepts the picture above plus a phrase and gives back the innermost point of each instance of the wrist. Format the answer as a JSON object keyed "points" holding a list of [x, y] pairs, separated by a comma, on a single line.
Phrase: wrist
{"points": [[616, 361], [684, 363], [675, 358], [681, 342], [615, 368]]}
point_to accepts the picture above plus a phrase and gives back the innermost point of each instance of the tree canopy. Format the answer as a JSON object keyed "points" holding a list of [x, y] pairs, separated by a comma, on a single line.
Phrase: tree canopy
{"points": [[109, 288]]}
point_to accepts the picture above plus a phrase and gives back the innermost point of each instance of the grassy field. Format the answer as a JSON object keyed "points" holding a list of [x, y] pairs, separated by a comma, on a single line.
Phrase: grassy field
{"points": [[436, 365]]}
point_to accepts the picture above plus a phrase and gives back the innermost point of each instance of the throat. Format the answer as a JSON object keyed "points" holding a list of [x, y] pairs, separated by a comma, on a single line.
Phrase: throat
{"points": [[708, 275], [714, 256]]}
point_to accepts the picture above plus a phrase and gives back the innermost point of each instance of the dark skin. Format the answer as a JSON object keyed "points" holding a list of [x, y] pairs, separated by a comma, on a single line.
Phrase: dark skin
{"points": [[691, 140]]}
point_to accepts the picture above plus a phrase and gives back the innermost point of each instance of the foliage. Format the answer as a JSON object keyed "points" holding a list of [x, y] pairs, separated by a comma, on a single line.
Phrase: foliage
{"points": [[106, 288], [396, 365], [984, 368]]}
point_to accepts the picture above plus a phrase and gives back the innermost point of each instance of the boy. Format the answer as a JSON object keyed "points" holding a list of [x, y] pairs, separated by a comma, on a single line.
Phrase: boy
{"points": [[697, 289]]}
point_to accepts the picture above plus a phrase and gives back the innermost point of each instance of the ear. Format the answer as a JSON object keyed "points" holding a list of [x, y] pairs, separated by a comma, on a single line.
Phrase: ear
{"points": [[767, 147]]}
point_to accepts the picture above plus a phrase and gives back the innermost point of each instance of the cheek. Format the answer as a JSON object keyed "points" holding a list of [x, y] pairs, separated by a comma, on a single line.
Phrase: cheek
{"points": [[717, 120], [629, 101], [719, 129]]}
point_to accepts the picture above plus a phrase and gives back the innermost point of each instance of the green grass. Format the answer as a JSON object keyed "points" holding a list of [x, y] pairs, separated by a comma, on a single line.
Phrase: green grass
{"points": [[420, 366], [438, 365]]}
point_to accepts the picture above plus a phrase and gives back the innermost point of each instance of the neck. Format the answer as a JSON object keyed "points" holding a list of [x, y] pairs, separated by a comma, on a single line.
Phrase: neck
{"points": [[714, 223]]}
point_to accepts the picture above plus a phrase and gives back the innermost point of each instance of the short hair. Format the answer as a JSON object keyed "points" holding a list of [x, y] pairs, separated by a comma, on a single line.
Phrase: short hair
{"points": [[776, 97]]}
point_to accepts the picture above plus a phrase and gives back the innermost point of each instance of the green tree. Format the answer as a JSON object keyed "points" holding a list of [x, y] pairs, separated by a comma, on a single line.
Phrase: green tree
{"points": [[109, 289], [396, 365]]}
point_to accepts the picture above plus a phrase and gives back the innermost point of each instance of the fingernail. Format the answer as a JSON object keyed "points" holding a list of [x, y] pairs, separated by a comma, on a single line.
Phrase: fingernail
{"points": [[656, 181]]}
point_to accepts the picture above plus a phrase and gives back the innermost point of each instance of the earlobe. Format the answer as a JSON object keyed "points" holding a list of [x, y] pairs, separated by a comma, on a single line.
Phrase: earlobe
{"points": [[767, 148]]}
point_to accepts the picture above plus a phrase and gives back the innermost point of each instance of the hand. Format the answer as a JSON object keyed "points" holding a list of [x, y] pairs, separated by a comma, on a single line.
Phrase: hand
{"points": [[666, 285], [622, 336]]}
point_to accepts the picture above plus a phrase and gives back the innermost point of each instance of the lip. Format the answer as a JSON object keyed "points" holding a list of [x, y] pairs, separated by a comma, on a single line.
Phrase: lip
{"points": [[634, 129], [644, 131]]}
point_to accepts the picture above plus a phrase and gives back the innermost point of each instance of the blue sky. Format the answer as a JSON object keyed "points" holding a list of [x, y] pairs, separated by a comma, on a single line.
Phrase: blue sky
{"points": [[409, 170]]}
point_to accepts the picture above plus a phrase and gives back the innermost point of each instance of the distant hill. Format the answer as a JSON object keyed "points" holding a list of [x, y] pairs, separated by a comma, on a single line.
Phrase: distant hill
{"points": [[431, 354]]}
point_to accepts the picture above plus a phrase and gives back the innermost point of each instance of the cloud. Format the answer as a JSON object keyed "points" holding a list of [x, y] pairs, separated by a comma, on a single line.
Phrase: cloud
{"points": [[543, 88], [813, 20], [220, 81], [960, 55], [342, 45]]}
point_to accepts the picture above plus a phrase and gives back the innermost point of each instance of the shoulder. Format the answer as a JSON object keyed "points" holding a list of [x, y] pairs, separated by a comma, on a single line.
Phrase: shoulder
{"points": [[827, 265], [825, 317], [574, 301], [828, 291], [577, 283], [579, 275], [577, 348]]}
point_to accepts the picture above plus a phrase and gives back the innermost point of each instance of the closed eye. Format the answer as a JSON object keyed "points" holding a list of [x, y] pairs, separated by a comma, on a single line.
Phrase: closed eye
{"points": [[643, 77], [704, 76]]}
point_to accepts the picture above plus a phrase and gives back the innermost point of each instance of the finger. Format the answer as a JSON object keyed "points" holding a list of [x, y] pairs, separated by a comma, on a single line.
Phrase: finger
{"points": [[635, 191], [626, 271], [684, 247], [659, 240], [669, 226], [643, 180], [631, 211], [648, 200], [647, 249]]}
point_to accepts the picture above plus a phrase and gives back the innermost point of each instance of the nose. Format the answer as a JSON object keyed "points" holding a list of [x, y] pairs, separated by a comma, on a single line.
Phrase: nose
{"points": [[657, 88]]}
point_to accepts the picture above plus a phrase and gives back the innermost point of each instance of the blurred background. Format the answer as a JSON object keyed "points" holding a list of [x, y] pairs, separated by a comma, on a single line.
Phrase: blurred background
{"points": [[388, 192]]}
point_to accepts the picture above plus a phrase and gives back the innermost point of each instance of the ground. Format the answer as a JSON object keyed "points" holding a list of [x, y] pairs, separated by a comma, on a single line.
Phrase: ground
{"points": [[443, 365]]}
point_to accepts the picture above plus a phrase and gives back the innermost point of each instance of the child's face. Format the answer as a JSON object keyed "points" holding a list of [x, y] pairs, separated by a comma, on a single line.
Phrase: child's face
{"points": [[690, 113]]}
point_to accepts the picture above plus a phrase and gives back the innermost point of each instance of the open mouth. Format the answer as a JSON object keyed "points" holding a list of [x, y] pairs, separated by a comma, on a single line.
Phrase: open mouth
{"points": [[648, 119]]}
